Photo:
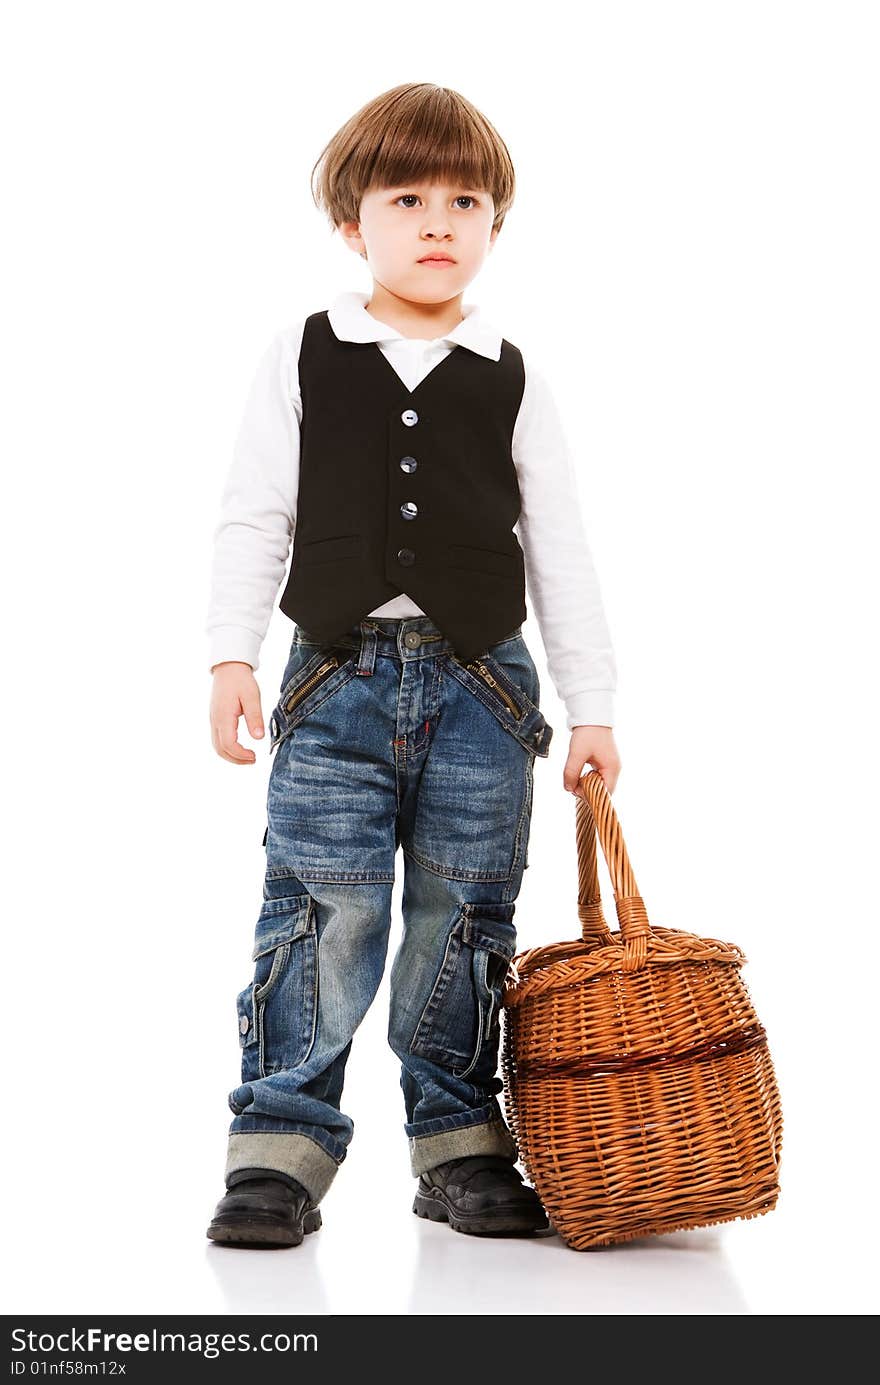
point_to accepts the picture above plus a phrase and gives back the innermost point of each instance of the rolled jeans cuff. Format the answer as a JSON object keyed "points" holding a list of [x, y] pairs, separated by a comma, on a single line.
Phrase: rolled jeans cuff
{"points": [[283, 1152], [490, 1137]]}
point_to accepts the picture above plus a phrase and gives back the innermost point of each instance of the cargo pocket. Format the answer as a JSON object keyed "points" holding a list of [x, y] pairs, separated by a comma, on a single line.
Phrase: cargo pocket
{"points": [[459, 1027], [277, 1013], [248, 1038], [316, 679]]}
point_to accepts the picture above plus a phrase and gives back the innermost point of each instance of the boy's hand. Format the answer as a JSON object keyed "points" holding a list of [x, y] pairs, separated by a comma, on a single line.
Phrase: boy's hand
{"points": [[235, 694], [594, 746]]}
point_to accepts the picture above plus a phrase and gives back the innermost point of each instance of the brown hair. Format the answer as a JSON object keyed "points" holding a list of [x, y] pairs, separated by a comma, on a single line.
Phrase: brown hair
{"points": [[414, 131]]}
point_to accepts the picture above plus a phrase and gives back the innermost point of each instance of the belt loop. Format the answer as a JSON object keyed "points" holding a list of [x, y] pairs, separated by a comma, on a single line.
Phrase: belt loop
{"points": [[369, 643]]}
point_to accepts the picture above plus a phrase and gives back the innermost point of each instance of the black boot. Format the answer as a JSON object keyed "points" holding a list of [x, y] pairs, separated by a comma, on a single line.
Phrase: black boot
{"points": [[263, 1208], [483, 1194]]}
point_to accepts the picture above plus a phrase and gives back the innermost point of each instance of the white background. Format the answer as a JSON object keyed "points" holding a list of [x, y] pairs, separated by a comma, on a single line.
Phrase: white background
{"points": [[693, 256]]}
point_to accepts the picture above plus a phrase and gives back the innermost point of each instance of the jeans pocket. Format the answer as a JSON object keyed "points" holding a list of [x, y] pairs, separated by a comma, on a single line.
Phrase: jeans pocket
{"points": [[278, 1011], [312, 675], [459, 1027], [506, 681]]}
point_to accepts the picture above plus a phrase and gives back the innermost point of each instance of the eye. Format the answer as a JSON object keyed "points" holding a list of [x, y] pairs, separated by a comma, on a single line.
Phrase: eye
{"points": [[410, 197]]}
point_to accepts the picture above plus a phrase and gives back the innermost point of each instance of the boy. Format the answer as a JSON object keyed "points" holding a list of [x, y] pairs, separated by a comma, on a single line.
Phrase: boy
{"points": [[400, 439]]}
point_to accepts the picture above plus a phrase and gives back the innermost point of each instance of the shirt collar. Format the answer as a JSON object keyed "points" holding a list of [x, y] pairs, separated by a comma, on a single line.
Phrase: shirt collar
{"points": [[351, 322]]}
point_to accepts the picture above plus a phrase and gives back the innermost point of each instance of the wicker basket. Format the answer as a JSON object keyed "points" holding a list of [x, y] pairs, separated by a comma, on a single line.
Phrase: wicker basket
{"points": [[637, 1078]]}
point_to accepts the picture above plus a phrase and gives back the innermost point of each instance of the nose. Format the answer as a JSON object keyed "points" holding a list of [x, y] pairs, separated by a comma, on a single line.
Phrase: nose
{"points": [[436, 226]]}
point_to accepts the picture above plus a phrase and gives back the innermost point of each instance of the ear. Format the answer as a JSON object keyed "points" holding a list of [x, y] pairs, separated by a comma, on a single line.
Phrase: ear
{"points": [[350, 231]]}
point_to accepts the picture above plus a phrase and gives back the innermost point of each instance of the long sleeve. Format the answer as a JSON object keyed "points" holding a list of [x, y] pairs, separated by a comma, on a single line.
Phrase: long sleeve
{"points": [[258, 508], [561, 579]]}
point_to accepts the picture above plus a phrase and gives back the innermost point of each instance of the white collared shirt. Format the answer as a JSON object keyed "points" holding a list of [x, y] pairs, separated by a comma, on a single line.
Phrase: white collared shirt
{"points": [[258, 509]]}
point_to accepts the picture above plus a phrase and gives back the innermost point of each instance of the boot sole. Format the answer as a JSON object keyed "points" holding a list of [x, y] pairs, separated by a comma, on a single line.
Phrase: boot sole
{"points": [[501, 1223], [253, 1232]]}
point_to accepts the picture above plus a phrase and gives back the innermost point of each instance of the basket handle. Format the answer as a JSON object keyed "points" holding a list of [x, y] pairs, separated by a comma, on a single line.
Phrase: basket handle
{"points": [[596, 817]]}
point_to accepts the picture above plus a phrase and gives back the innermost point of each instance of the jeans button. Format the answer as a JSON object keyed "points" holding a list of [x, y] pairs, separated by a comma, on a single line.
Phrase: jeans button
{"points": [[412, 639]]}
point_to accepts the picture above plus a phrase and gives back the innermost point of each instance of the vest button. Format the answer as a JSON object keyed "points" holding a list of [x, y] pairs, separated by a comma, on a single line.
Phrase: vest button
{"points": [[409, 417], [408, 464], [406, 556], [409, 509]]}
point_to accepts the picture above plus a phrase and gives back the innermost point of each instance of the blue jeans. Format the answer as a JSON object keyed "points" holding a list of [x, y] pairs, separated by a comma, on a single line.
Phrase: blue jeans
{"points": [[386, 739]]}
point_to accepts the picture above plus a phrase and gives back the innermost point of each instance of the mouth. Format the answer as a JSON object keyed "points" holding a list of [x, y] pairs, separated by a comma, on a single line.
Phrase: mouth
{"points": [[437, 260]]}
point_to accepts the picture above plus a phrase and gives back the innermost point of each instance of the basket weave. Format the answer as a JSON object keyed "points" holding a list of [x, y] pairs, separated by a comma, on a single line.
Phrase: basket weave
{"points": [[637, 1078]]}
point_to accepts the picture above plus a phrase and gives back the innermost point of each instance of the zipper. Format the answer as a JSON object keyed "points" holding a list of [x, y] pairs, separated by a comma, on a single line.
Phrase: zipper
{"points": [[310, 682], [488, 677]]}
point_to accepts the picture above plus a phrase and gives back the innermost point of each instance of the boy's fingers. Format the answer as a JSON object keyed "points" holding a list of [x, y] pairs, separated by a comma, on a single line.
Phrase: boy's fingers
{"points": [[572, 774], [227, 743], [253, 714]]}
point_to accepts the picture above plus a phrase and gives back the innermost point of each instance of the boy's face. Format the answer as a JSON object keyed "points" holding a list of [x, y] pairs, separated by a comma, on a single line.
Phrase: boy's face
{"points": [[399, 226]]}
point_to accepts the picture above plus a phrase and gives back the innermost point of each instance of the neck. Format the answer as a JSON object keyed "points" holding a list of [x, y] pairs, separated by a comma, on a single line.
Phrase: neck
{"points": [[422, 320]]}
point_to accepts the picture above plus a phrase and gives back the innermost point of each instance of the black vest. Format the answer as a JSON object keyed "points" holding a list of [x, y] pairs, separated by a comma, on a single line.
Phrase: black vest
{"points": [[406, 491]]}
